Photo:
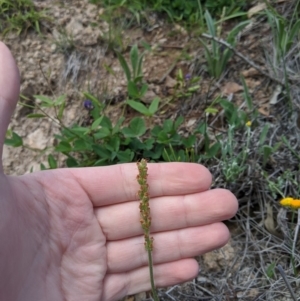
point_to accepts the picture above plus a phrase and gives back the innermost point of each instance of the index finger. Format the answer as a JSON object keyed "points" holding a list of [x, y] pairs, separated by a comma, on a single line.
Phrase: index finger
{"points": [[114, 184]]}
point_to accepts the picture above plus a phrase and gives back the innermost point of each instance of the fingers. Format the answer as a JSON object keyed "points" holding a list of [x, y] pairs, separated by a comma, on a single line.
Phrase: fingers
{"points": [[130, 254], [168, 213], [115, 184], [118, 285], [9, 90]]}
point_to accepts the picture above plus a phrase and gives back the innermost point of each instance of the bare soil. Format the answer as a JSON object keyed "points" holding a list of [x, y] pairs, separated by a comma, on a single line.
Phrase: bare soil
{"points": [[73, 55]]}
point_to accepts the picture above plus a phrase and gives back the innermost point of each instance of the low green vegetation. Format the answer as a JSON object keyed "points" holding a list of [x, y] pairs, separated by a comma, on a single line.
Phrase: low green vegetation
{"points": [[177, 10], [19, 16], [254, 155]]}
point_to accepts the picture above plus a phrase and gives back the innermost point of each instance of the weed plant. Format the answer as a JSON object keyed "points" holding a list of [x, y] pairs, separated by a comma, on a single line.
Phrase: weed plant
{"points": [[190, 11], [20, 16], [255, 156]]}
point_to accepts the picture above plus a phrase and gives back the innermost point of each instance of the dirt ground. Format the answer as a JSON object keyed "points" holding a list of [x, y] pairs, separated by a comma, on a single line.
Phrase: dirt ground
{"points": [[74, 56]]}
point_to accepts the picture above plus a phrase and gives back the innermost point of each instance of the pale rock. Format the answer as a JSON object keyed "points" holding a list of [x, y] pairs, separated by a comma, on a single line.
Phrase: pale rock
{"points": [[149, 96], [250, 72], [231, 88], [170, 82], [37, 139], [74, 27]]}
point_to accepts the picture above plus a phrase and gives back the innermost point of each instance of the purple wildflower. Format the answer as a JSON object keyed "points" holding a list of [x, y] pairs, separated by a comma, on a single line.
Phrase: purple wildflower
{"points": [[188, 76], [88, 104]]}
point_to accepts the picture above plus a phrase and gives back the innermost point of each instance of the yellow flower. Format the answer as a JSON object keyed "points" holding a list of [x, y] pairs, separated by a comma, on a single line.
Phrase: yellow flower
{"points": [[290, 203], [248, 123]]}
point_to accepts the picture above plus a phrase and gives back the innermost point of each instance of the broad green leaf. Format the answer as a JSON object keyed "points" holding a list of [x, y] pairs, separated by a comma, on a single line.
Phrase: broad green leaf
{"points": [[210, 110], [102, 133], [14, 141], [132, 90], [168, 126], [106, 122], [71, 162], [178, 122], [124, 65], [96, 123], [52, 162], [81, 145], [114, 144], [143, 90], [138, 126], [101, 151], [63, 147], [134, 58], [45, 101], [59, 100], [61, 110], [125, 156], [189, 141], [116, 128], [154, 106], [138, 106]]}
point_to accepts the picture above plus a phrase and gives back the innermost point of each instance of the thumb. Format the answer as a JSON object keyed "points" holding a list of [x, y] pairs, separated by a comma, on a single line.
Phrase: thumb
{"points": [[9, 90]]}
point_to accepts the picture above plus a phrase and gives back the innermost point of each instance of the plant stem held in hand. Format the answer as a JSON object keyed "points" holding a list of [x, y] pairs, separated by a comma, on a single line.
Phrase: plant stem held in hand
{"points": [[146, 218]]}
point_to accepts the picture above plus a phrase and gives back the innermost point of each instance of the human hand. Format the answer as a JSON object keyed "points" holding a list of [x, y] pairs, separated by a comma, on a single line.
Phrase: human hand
{"points": [[74, 234]]}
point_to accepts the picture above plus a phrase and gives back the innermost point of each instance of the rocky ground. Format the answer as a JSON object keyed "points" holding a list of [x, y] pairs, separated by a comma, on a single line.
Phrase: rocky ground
{"points": [[74, 55]]}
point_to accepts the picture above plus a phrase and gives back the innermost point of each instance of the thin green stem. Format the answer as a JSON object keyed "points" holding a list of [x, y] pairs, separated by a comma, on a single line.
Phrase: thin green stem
{"points": [[150, 262]]}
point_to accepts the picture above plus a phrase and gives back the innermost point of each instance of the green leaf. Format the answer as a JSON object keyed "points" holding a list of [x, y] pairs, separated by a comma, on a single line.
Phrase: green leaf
{"points": [[178, 122], [125, 156], [106, 122], [14, 141], [81, 145], [247, 95], [214, 149], [45, 101], [43, 167], [163, 137], [101, 151], [63, 147], [36, 115], [263, 134], [154, 106], [59, 100], [114, 144], [61, 110], [136, 128], [168, 126], [124, 65], [71, 162], [132, 90], [189, 141], [270, 271], [267, 152], [116, 128], [102, 133], [52, 162], [138, 106], [134, 58], [137, 124], [211, 110], [96, 123], [143, 90]]}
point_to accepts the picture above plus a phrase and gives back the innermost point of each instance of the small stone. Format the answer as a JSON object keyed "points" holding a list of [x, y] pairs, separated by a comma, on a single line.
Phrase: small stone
{"points": [[170, 82], [149, 96]]}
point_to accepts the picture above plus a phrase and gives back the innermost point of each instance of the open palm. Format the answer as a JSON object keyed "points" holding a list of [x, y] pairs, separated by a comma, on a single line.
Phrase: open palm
{"points": [[74, 234]]}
